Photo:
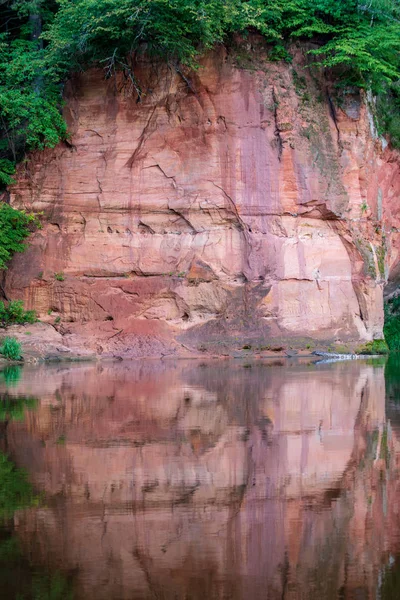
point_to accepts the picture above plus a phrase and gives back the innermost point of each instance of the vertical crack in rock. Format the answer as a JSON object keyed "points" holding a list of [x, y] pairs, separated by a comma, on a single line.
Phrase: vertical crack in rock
{"points": [[100, 192], [146, 132], [146, 570], [332, 112], [277, 130], [242, 224]]}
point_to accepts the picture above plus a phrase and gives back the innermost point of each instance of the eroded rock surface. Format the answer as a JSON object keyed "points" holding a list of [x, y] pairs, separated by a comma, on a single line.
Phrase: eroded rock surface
{"points": [[247, 206]]}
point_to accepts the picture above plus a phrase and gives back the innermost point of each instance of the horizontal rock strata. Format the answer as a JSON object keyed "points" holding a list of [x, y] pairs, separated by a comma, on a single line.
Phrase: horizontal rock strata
{"points": [[235, 206]]}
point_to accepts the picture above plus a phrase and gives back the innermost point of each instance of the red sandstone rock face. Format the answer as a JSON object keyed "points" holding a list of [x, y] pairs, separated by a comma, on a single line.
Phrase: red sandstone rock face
{"points": [[245, 208]]}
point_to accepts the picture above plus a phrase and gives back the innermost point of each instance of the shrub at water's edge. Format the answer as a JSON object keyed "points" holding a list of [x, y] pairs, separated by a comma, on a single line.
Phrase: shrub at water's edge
{"points": [[11, 348], [372, 348], [392, 323]]}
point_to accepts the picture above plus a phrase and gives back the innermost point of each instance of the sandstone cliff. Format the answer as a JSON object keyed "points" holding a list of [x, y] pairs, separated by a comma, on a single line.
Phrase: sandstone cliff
{"points": [[236, 206]]}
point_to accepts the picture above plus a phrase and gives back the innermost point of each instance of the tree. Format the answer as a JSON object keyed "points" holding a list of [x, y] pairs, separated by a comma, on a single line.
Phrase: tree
{"points": [[43, 41]]}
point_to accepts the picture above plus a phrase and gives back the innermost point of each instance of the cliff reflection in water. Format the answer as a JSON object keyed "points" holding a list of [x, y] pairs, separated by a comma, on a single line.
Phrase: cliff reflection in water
{"points": [[202, 481]]}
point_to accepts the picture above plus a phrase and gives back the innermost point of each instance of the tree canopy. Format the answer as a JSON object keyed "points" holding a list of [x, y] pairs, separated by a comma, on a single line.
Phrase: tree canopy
{"points": [[43, 41]]}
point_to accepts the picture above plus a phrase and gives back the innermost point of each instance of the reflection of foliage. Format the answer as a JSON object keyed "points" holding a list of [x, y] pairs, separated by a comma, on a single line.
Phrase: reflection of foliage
{"points": [[13, 407], [15, 490], [51, 587], [392, 377], [391, 582], [18, 581], [9, 550], [11, 348], [11, 375]]}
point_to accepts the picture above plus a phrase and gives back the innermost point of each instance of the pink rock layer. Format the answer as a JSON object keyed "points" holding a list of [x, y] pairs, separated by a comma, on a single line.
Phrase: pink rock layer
{"points": [[243, 207]]}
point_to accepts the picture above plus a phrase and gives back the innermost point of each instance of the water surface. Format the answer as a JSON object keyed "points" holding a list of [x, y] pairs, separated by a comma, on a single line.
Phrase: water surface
{"points": [[189, 480]]}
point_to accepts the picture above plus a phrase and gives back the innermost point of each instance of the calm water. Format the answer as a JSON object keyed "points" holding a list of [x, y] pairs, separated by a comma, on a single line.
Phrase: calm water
{"points": [[192, 480]]}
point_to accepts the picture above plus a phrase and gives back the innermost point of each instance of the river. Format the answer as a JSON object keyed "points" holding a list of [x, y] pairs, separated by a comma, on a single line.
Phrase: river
{"points": [[275, 479]]}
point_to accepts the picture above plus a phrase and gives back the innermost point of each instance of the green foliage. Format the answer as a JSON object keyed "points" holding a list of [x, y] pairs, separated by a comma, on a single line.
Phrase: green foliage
{"points": [[14, 407], [7, 170], [88, 31], [15, 226], [19, 580], [363, 38], [388, 112], [374, 347], [59, 276], [30, 93], [359, 41], [11, 376], [392, 378], [11, 348], [14, 313], [279, 52], [392, 323], [15, 489], [51, 587]]}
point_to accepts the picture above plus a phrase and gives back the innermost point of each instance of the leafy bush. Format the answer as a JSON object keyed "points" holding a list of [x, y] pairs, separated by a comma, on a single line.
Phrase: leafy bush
{"points": [[59, 276], [388, 112], [7, 170], [374, 347], [11, 348], [14, 313], [15, 226], [363, 38], [360, 41]]}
